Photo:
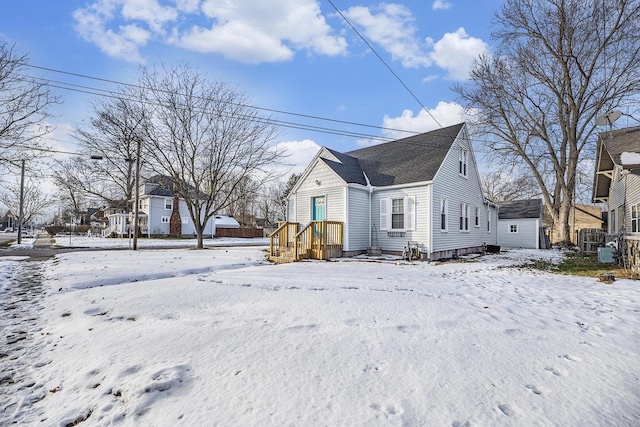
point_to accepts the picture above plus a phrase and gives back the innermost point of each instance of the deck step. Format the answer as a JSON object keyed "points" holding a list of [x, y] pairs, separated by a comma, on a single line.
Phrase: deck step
{"points": [[281, 259]]}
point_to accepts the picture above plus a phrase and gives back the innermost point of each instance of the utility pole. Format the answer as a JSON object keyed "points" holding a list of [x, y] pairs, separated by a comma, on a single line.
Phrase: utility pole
{"points": [[21, 213], [137, 194]]}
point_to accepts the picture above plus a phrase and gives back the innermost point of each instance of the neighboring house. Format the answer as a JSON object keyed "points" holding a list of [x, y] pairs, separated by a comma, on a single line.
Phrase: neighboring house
{"points": [[581, 217], [155, 208], [617, 183], [520, 224], [424, 189]]}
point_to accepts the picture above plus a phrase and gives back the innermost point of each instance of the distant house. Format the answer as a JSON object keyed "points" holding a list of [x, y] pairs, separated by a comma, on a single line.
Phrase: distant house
{"points": [[581, 217], [157, 205], [422, 191], [520, 224], [617, 184]]}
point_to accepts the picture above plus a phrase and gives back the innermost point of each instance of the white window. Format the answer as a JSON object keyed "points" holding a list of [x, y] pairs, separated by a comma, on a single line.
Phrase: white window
{"points": [[164, 220], [185, 220], [464, 154], [464, 217], [513, 228], [398, 214], [488, 220], [635, 218], [477, 217], [444, 209], [168, 204]]}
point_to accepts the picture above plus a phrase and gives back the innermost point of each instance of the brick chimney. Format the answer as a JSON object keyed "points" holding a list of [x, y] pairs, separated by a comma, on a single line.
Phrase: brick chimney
{"points": [[175, 221]]}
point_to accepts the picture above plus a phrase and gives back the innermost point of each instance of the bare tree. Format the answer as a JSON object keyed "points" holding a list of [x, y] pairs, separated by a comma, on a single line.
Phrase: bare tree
{"points": [[500, 186], [560, 64], [34, 200], [109, 142], [207, 138], [24, 104]]}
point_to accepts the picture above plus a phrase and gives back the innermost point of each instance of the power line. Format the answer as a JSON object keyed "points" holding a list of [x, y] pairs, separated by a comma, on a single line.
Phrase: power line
{"points": [[384, 62], [271, 110]]}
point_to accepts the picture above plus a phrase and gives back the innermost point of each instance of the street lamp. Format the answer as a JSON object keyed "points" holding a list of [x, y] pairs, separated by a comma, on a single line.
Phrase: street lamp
{"points": [[136, 191]]}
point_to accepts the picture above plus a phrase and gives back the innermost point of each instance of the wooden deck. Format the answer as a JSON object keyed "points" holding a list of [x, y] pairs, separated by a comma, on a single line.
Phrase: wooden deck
{"points": [[316, 240]]}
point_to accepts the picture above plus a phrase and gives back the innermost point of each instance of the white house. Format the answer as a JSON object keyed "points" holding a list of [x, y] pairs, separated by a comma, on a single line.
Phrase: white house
{"points": [[424, 189], [520, 224], [617, 184], [156, 204]]}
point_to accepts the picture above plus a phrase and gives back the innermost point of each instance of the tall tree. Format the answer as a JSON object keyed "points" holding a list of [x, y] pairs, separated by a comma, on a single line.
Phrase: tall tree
{"points": [[560, 64], [35, 201], [24, 105], [109, 142], [207, 138]]}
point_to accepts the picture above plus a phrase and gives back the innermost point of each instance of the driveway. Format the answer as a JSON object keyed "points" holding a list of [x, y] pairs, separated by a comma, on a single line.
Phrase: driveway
{"points": [[42, 248]]}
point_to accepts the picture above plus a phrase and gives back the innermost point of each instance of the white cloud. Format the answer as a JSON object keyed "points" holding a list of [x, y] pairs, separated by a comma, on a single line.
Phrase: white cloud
{"points": [[446, 113], [299, 155], [269, 31], [237, 41], [455, 52], [250, 31], [441, 5], [392, 28], [149, 11], [124, 43]]}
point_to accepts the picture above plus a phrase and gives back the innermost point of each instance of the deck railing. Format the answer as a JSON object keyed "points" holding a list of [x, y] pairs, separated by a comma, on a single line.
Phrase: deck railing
{"points": [[317, 240]]}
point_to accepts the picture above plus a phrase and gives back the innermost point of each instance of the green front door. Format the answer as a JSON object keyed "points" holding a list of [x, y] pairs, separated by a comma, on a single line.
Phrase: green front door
{"points": [[319, 209]]}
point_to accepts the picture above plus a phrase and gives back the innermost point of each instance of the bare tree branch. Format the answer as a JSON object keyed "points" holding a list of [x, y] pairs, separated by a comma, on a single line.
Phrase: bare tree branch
{"points": [[560, 64]]}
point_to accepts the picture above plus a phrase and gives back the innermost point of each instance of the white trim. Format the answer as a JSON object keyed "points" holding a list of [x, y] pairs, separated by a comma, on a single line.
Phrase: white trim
{"points": [[385, 216], [345, 231]]}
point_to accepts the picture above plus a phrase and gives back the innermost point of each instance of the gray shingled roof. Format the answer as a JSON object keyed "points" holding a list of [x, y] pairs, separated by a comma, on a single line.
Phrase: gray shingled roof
{"points": [[164, 186], [520, 209], [413, 159], [620, 141]]}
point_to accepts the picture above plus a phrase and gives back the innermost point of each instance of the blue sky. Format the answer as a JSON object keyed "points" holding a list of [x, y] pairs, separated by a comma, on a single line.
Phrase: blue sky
{"points": [[297, 56]]}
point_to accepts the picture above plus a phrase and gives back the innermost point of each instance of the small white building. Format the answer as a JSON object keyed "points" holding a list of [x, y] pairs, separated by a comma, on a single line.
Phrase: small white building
{"points": [[520, 224]]}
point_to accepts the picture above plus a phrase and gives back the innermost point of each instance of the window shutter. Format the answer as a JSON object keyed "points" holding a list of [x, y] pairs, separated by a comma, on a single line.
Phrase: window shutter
{"points": [[385, 219], [410, 213]]}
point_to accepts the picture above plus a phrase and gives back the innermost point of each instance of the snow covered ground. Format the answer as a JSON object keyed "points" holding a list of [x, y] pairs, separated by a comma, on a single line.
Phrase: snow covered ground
{"points": [[99, 242], [220, 337]]}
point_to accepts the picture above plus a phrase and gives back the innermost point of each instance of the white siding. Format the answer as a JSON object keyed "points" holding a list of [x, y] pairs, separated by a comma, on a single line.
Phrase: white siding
{"points": [[388, 240], [624, 192], [156, 212], [458, 189], [358, 227], [619, 188], [328, 185], [526, 237]]}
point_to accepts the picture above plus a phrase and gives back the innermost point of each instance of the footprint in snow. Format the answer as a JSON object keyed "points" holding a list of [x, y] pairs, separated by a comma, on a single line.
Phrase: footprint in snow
{"points": [[554, 371], [505, 408], [533, 389], [569, 357]]}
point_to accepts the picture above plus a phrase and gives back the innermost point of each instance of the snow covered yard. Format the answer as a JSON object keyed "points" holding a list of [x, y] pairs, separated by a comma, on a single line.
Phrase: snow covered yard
{"points": [[220, 337]]}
